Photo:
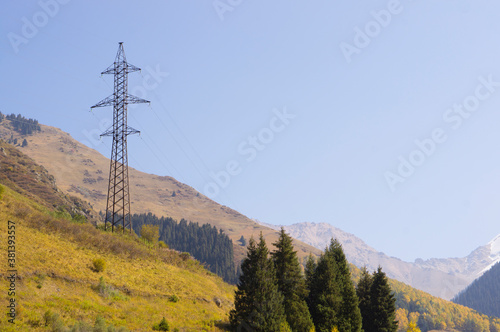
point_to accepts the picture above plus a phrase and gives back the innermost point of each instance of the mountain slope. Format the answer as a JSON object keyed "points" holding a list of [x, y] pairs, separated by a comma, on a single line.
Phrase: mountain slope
{"points": [[82, 172], [54, 258], [440, 277], [435, 314], [140, 284], [483, 294], [23, 175]]}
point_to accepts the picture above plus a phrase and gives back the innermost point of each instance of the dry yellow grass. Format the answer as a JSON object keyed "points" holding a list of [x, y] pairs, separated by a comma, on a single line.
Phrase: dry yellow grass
{"points": [[55, 266]]}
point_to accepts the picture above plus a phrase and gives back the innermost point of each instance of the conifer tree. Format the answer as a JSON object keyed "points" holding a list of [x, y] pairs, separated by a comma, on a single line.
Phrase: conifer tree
{"points": [[382, 303], [258, 305], [363, 292], [291, 284], [333, 302], [349, 316], [324, 294], [205, 243], [309, 270]]}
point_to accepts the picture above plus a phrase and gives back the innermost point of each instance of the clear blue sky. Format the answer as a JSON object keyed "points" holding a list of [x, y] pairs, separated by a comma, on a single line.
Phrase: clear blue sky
{"points": [[355, 83]]}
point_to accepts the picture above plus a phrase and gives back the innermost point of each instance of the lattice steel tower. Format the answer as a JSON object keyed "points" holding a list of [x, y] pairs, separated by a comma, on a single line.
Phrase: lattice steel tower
{"points": [[118, 202]]}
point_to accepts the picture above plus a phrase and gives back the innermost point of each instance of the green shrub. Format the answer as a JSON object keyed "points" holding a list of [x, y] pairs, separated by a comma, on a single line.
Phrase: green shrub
{"points": [[173, 298], [53, 321], [48, 316], [100, 325], [161, 326], [39, 279], [108, 291], [98, 264], [81, 326], [162, 244], [61, 213], [78, 218], [150, 233]]}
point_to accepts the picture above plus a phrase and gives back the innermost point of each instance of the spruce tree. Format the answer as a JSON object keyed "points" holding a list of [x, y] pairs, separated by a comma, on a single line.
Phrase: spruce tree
{"points": [[383, 304], [324, 294], [363, 292], [309, 270], [350, 315], [291, 284], [333, 302], [258, 305]]}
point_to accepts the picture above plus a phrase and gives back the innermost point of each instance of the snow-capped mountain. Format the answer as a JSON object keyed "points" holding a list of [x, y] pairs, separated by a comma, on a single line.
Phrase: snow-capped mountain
{"points": [[442, 277], [494, 246]]}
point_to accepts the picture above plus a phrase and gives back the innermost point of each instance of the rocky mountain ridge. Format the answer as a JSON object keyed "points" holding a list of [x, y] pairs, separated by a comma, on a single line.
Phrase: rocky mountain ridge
{"points": [[442, 277]]}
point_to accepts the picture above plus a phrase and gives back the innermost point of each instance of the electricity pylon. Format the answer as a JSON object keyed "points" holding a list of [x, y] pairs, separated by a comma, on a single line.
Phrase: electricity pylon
{"points": [[118, 202]]}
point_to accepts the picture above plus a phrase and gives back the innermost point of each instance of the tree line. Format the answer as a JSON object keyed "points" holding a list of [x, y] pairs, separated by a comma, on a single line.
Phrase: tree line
{"points": [[21, 124], [210, 246], [274, 295]]}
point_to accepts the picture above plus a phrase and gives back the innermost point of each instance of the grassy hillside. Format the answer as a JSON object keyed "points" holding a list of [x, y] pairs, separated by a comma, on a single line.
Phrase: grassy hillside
{"points": [[83, 172], [54, 260], [23, 175]]}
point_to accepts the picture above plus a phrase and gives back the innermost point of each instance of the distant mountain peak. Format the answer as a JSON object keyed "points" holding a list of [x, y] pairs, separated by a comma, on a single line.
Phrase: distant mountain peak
{"points": [[495, 247], [443, 277], [494, 251]]}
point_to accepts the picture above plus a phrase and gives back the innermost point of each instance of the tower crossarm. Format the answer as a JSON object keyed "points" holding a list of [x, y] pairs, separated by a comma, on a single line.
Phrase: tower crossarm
{"points": [[113, 69], [136, 100], [128, 131], [108, 101]]}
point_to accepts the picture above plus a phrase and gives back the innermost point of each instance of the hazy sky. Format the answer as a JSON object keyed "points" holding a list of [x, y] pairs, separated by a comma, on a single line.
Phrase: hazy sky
{"points": [[379, 117]]}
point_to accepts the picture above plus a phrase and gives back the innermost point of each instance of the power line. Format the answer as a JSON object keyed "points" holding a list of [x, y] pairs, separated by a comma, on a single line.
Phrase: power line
{"points": [[152, 151]]}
